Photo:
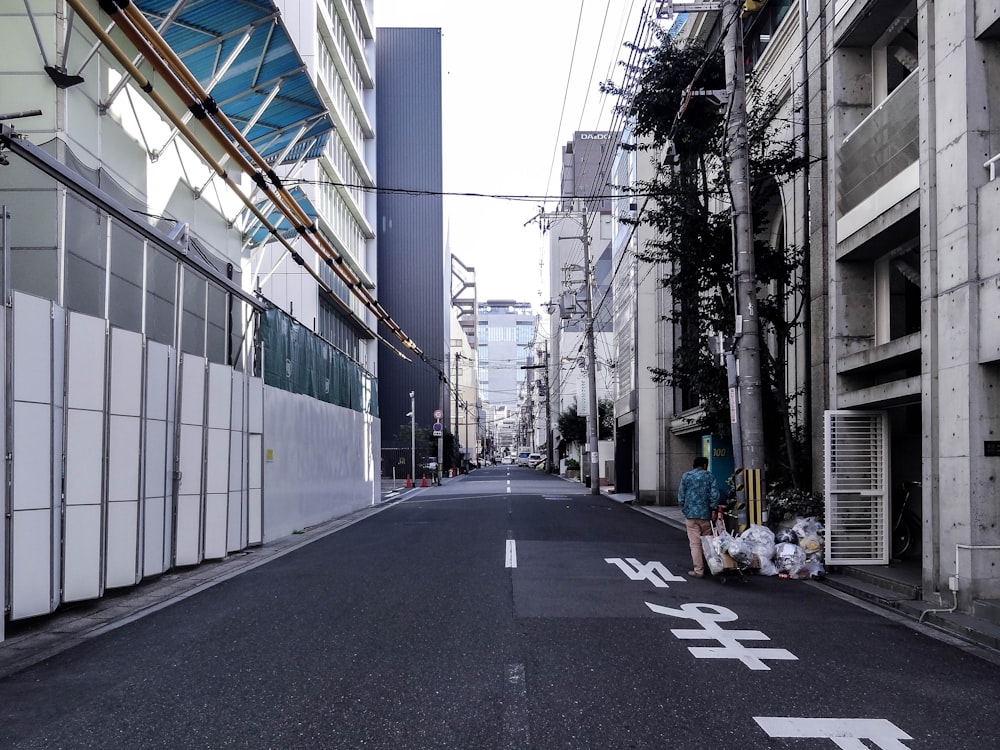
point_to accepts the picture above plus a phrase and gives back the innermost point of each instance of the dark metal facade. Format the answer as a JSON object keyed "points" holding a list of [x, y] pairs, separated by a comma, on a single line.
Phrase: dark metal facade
{"points": [[412, 262]]}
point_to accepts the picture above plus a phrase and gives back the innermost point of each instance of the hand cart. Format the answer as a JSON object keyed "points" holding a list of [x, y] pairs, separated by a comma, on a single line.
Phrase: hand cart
{"points": [[724, 519]]}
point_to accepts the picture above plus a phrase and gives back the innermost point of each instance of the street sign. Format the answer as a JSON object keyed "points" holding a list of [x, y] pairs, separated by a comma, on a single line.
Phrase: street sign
{"points": [[438, 414], [437, 429]]}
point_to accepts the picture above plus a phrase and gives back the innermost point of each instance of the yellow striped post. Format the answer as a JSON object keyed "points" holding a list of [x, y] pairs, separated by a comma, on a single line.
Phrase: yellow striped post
{"points": [[754, 495]]}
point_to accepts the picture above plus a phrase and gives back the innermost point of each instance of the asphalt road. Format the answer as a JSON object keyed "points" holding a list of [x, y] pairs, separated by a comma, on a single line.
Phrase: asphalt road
{"points": [[507, 610]]}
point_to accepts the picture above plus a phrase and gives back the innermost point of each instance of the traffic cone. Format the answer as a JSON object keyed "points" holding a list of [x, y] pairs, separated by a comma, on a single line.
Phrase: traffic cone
{"points": [[409, 482], [423, 482]]}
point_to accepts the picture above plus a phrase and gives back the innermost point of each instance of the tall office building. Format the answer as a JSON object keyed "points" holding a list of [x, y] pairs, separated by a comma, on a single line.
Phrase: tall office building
{"points": [[506, 338], [412, 265]]}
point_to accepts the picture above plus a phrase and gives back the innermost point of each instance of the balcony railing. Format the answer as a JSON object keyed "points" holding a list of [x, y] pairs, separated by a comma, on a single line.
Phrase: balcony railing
{"points": [[880, 148]]}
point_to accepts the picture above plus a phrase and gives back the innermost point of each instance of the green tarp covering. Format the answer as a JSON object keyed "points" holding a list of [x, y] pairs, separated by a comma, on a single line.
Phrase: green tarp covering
{"points": [[297, 360]]}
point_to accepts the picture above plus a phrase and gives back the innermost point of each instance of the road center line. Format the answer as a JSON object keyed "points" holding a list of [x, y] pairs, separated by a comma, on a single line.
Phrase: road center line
{"points": [[515, 714], [511, 559]]}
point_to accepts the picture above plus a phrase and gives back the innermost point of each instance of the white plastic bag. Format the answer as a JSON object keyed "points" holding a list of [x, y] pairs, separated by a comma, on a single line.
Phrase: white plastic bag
{"points": [[713, 555]]}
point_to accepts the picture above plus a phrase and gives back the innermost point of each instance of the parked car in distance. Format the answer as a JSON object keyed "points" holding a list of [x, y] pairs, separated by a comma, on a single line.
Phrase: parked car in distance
{"points": [[534, 459], [507, 460], [522, 458]]}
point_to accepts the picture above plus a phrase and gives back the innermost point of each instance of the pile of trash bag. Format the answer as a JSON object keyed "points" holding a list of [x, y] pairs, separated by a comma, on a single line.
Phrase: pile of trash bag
{"points": [[794, 551]]}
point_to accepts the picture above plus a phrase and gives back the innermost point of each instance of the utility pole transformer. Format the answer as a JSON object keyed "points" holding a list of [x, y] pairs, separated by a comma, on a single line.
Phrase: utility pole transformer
{"points": [[747, 329]]}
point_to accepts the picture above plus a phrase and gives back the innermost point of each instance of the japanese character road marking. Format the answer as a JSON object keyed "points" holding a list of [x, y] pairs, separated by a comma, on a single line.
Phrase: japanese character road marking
{"points": [[654, 572], [709, 616]]}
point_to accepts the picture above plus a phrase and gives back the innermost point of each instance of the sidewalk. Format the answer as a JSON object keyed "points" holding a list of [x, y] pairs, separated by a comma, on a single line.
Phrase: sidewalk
{"points": [[890, 590], [29, 642]]}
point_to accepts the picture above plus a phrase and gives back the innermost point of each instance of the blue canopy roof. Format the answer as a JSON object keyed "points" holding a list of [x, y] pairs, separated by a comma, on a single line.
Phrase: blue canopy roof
{"points": [[206, 33], [260, 233]]}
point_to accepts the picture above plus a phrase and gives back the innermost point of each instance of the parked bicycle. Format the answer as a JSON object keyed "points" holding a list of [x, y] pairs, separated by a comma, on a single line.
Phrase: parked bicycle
{"points": [[906, 521]]}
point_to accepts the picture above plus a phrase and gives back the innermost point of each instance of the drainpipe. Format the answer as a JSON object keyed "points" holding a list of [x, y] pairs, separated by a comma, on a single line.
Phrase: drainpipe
{"points": [[953, 581]]}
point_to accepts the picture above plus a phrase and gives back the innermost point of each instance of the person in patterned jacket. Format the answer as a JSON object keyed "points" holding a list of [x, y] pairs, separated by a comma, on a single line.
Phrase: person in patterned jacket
{"points": [[697, 495]]}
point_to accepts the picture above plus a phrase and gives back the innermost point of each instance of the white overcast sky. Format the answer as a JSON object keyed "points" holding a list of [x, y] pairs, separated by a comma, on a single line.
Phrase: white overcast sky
{"points": [[507, 70]]}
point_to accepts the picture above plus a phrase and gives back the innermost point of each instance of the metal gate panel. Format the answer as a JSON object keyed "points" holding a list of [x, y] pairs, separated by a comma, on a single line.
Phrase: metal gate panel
{"points": [[255, 461], [237, 534], [158, 448], [188, 549], [220, 395], [85, 448], [157, 476], [124, 459], [857, 487], [36, 415]]}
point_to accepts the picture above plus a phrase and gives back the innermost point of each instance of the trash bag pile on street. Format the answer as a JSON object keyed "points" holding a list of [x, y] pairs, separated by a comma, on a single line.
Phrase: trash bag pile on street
{"points": [[794, 551]]}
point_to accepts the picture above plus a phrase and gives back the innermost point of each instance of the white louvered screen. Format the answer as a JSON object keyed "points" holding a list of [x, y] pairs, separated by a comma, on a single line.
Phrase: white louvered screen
{"points": [[857, 487]]}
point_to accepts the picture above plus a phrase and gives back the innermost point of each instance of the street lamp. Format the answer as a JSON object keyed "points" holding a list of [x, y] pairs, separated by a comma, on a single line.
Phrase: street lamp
{"points": [[413, 437]]}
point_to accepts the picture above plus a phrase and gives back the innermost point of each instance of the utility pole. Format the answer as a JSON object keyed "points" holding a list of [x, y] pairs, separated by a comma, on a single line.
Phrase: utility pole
{"points": [[548, 416], [457, 357], [747, 330], [593, 420]]}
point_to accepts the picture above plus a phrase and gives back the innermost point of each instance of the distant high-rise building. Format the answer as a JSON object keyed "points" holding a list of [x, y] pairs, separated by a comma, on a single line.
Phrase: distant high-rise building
{"points": [[506, 338]]}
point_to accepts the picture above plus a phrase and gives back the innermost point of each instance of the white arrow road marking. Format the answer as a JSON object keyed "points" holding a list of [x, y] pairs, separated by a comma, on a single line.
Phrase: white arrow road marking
{"points": [[511, 560]]}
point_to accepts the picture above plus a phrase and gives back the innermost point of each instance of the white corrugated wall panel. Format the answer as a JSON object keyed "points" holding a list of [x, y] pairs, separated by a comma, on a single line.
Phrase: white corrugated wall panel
{"points": [[188, 549], [124, 459], [158, 442], [34, 525], [83, 521], [255, 461], [220, 396], [237, 530]]}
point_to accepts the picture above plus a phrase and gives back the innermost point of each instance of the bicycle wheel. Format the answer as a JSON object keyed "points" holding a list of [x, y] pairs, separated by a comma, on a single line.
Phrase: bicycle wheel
{"points": [[902, 539]]}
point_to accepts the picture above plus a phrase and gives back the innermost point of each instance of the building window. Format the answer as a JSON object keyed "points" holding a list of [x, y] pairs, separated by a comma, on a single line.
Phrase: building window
{"points": [[897, 294], [894, 57]]}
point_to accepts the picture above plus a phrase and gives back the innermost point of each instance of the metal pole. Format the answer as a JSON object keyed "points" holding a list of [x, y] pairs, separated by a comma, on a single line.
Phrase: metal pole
{"points": [[593, 421], [413, 438], [457, 357], [548, 417], [747, 332], [442, 399]]}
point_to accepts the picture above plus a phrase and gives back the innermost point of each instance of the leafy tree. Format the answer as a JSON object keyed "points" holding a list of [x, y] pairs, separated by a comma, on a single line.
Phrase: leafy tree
{"points": [[573, 427], [691, 214]]}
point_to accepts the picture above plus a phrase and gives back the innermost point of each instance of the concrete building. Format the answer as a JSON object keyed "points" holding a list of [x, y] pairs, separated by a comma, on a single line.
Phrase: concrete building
{"points": [[584, 212], [414, 272], [900, 405], [909, 234], [643, 456]]}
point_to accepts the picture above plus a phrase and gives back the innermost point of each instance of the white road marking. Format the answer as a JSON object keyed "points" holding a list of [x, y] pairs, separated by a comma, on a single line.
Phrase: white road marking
{"points": [[654, 572], [511, 560], [709, 616], [845, 733]]}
